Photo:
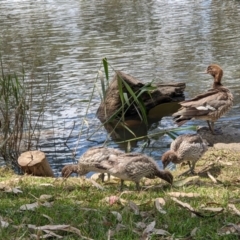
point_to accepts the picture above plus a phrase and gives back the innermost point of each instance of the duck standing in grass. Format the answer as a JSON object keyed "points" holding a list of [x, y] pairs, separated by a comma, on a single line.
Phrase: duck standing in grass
{"points": [[133, 167], [185, 148], [209, 106], [126, 166], [90, 159]]}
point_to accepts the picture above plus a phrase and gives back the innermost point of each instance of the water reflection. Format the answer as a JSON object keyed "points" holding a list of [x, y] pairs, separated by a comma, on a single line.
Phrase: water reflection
{"points": [[162, 40], [134, 129]]}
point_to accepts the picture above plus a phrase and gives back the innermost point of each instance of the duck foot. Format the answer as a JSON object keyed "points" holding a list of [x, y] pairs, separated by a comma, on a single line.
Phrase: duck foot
{"points": [[102, 176], [207, 168], [187, 172], [218, 131]]}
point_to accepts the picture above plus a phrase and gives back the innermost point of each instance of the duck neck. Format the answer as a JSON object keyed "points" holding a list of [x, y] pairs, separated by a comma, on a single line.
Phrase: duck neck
{"points": [[217, 80], [177, 158]]}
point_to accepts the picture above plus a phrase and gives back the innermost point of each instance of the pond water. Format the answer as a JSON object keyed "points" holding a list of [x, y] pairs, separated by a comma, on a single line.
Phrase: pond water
{"points": [[65, 42]]}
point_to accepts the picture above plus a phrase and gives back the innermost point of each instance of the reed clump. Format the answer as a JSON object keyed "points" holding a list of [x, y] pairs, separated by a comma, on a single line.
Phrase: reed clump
{"points": [[17, 123]]}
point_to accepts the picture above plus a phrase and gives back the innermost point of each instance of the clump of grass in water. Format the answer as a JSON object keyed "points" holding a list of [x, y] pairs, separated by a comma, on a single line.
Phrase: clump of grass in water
{"points": [[135, 99], [127, 98]]}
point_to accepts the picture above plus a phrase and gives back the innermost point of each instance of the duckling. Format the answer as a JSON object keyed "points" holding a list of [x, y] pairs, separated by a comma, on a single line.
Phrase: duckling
{"points": [[187, 147], [209, 106], [88, 161], [126, 166], [133, 167]]}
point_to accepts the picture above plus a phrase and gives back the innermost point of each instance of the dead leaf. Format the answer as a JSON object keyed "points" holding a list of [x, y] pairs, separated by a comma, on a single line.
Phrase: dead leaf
{"points": [[126, 192], [117, 215], [159, 202], [218, 210], [230, 228], [46, 185], [211, 177], [185, 181], [134, 207], [234, 200], [149, 228], [49, 234], [140, 225], [234, 209], [95, 184], [47, 204], [49, 218], [120, 227], [225, 163], [146, 214], [66, 228], [89, 209], [111, 232], [6, 188], [3, 223], [78, 202], [161, 232], [187, 206], [183, 204], [194, 231], [183, 194], [15, 190], [30, 206], [46, 197]]}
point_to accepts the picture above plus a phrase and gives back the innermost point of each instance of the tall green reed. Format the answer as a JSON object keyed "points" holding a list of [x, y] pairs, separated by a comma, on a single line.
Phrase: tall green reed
{"points": [[18, 126]]}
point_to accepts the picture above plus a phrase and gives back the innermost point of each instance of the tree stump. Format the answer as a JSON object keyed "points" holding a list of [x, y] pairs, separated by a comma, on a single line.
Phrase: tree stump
{"points": [[164, 93], [35, 163]]}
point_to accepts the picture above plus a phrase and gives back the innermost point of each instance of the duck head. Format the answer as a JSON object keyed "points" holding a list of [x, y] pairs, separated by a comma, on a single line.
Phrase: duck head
{"points": [[68, 170], [165, 175], [168, 157], [168, 177], [217, 73]]}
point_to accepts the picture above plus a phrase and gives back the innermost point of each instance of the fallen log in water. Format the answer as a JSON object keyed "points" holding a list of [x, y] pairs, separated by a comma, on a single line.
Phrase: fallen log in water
{"points": [[164, 93]]}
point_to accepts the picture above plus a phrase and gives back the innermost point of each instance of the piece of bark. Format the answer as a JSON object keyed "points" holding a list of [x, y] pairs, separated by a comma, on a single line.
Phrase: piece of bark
{"points": [[35, 163], [164, 93]]}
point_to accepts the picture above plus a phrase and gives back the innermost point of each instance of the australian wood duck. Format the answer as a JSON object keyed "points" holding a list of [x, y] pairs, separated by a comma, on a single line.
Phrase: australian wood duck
{"points": [[187, 147], [209, 106], [133, 167], [126, 166], [90, 159]]}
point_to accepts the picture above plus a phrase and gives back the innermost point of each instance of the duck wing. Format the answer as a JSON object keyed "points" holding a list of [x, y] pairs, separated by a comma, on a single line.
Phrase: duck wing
{"points": [[186, 140], [211, 104], [96, 155], [211, 100]]}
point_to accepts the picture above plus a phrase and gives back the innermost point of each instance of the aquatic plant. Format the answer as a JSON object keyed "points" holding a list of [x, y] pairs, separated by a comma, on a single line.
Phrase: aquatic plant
{"points": [[18, 123], [128, 99]]}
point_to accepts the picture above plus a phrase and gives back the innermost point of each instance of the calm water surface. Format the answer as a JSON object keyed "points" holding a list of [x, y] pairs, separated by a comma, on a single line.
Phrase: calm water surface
{"points": [[166, 40]]}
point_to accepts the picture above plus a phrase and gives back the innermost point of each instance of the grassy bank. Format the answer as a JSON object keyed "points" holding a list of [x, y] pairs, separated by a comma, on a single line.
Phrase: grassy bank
{"points": [[206, 206]]}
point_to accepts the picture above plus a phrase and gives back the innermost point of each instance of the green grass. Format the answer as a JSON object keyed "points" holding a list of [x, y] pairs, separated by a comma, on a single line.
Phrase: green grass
{"points": [[79, 204]]}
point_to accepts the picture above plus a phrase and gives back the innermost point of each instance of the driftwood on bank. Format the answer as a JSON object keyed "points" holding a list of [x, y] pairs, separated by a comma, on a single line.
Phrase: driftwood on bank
{"points": [[164, 93], [35, 163]]}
